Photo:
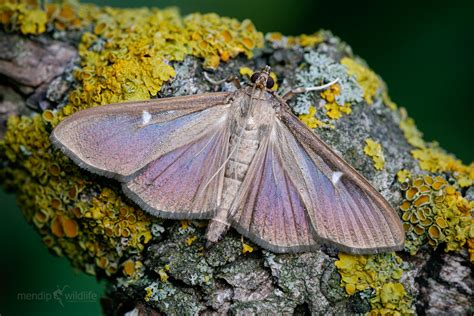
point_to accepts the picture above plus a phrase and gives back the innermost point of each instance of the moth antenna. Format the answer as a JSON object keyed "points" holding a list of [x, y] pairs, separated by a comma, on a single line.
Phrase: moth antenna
{"points": [[322, 87], [232, 79], [290, 94]]}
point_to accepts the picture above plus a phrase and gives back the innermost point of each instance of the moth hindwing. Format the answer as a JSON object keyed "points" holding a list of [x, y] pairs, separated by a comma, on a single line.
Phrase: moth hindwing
{"points": [[241, 159]]}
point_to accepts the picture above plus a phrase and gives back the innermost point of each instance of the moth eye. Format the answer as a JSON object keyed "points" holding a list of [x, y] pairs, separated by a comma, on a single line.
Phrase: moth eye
{"points": [[254, 77], [270, 82]]}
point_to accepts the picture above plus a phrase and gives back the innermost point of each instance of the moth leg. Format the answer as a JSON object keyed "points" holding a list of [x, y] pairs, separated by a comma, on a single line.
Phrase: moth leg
{"points": [[290, 94], [230, 79]]}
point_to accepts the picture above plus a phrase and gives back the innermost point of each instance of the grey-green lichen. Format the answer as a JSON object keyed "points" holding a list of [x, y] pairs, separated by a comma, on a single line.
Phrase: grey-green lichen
{"points": [[322, 69], [172, 300]]}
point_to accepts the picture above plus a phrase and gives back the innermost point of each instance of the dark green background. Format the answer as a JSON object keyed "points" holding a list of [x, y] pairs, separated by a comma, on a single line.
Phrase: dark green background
{"points": [[423, 50]]}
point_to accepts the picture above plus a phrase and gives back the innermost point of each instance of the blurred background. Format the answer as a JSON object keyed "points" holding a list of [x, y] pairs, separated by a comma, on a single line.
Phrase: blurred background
{"points": [[423, 50]]}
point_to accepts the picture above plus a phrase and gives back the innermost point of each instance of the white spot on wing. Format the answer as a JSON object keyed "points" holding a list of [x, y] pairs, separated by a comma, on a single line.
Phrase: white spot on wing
{"points": [[146, 117], [335, 177]]}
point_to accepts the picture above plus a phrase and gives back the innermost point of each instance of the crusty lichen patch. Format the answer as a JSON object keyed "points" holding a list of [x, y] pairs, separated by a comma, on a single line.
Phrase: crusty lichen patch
{"points": [[379, 276], [367, 79], [374, 150], [279, 40], [134, 67], [436, 160], [322, 69], [434, 212], [27, 17], [118, 68], [310, 119], [431, 157], [23, 17]]}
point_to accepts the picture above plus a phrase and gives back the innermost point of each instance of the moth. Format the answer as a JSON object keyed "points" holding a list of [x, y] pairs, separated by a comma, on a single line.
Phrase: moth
{"points": [[240, 159]]}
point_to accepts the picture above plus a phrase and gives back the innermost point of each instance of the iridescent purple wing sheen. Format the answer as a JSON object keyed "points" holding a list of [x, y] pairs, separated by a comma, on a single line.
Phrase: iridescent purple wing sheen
{"points": [[167, 152], [268, 208], [291, 200], [118, 140], [344, 209], [186, 182]]}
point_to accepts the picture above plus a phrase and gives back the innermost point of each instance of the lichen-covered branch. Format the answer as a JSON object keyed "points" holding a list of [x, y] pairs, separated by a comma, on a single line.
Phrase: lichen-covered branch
{"points": [[57, 60]]}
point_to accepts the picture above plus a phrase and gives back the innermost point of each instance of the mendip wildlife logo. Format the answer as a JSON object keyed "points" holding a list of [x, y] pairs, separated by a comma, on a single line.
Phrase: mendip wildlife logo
{"points": [[62, 294], [58, 294]]}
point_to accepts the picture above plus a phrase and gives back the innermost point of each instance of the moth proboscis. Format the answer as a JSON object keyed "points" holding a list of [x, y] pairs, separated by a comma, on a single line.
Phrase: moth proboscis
{"points": [[240, 159]]}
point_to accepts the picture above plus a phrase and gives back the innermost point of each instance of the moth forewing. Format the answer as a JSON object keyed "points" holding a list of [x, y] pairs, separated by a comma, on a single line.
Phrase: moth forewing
{"points": [[182, 183], [115, 141]]}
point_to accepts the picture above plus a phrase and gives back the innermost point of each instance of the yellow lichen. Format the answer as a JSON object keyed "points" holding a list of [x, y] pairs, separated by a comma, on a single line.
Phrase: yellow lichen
{"points": [[28, 18], [433, 158], [70, 227], [390, 297], [117, 68], [374, 150], [22, 16], [471, 244], [367, 79], [211, 36], [69, 15], [303, 40], [184, 224], [403, 175], [388, 101], [310, 119], [190, 240], [434, 212], [246, 248], [160, 36], [246, 71], [333, 109], [128, 267], [162, 273], [412, 134], [149, 293], [381, 273]]}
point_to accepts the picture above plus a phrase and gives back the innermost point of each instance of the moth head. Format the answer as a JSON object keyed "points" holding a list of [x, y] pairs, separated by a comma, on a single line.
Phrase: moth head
{"points": [[262, 79]]}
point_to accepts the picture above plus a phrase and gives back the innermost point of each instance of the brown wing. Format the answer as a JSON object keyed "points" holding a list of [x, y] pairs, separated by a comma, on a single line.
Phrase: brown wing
{"points": [[165, 151], [344, 209]]}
